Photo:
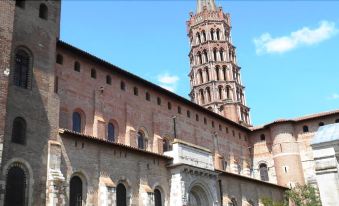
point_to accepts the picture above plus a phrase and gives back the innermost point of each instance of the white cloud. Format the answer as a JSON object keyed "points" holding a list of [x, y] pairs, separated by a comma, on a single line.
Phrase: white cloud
{"points": [[334, 96], [168, 81], [302, 37]]}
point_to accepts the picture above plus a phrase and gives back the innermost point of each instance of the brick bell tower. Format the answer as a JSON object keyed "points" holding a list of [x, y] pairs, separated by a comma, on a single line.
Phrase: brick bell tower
{"points": [[215, 76]]}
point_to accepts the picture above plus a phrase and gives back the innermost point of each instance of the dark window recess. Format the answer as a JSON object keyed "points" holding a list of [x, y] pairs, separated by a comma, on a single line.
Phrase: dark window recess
{"points": [[76, 122], [121, 195], [148, 96], [158, 101], [135, 91], [43, 11], [220, 127], [141, 140], [197, 117], [157, 198], [21, 69], [77, 66], [75, 191], [122, 86], [263, 172], [305, 128], [262, 137], [337, 121], [93, 73], [111, 132], [321, 124], [15, 187], [179, 110], [20, 3], [59, 59], [19, 131], [108, 79], [213, 124], [188, 114], [205, 121], [169, 105]]}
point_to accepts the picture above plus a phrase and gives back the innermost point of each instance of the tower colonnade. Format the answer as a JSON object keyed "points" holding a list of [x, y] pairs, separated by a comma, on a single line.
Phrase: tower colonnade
{"points": [[215, 76]]}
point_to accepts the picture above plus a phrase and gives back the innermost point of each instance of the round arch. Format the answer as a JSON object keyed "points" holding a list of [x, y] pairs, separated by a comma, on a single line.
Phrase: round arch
{"points": [[200, 195]]}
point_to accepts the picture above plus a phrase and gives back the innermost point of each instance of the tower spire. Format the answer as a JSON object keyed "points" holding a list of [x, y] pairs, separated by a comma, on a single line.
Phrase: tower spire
{"points": [[210, 5]]}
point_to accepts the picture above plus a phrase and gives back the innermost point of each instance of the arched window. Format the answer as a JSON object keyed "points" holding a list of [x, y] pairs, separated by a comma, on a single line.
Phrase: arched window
{"points": [[337, 121], [224, 73], [217, 72], [166, 145], [263, 172], [221, 55], [43, 11], [93, 73], [215, 54], [22, 69], [20, 3], [199, 57], [19, 131], [212, 34], [202, 98], [108, 79], [305, 128], [122, 86], [141, 140], [207, 74], [208, 91], [205, 56], [198, 38], [121, 195], [204, 35], [59, 59], [157, 198], [220, 92], [228, 92], [77, 66], [321, 124], [75, 191], [148, 96], [201, 77], [111, 132], [76, 119], [218, 34], [15, 187]]}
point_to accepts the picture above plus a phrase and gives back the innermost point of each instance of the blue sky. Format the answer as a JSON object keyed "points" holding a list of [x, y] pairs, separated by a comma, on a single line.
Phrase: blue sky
{"points": [[288, 50]]}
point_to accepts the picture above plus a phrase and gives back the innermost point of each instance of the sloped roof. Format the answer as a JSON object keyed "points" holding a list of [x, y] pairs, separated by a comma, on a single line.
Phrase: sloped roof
{"points": [[298, 119], [327, 133]]}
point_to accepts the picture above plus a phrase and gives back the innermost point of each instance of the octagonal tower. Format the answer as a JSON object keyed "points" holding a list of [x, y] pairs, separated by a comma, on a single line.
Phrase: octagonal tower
{"points": [[214, 75]]}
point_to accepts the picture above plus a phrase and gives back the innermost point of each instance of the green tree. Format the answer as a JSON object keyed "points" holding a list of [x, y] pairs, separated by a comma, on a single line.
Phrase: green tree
{"points": [[300, 195], [304, 195]]}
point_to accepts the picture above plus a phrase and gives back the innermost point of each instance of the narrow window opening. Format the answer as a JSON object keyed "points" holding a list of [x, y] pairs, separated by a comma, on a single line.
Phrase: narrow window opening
{"points": [[20, 3], [77, 66], [22, 69], [135, 91], [93, 73], [188, 114], [321, 124], [19, 131], [59, 59], [197, 117], [148, 96], [159, 101], [108, 80], [337, 121], [262, 137], [43, 12], [305, 128], [122, 86], [169, 105]]}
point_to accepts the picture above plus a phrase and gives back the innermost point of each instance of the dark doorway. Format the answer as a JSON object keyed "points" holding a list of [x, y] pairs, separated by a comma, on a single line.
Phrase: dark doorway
{"points": [[75, 197], [121, 195], [15, 187], [157, 198]]}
